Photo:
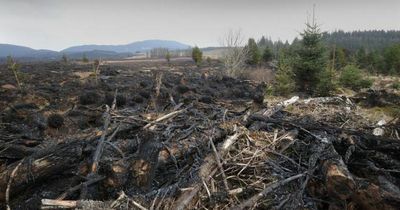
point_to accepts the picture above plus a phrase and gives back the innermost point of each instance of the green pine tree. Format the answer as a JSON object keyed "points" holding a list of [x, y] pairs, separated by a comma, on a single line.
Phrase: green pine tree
{"points": [[253, 53], [284, 78], [338, 58], [392, 59], [327, 83], [362, 58], [267, 55], [64, 58], [85, 59], [168, 57], [352, 77], [311, 59], [197, 55]]}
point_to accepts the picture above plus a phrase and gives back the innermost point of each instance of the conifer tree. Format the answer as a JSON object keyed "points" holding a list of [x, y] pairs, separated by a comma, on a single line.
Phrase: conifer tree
{"points": [[311, 60], [85, 59], [197, 55], [392, 59], [284, 82], [362, 58], [267, 55], [64, 58], [340, 58], [168, 57], [253, 56]]}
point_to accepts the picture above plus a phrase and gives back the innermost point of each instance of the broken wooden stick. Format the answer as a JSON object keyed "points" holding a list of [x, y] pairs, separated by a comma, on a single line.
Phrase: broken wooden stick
{"points": [[253, 200], [78, 187], [100, 145], [71, 204], [207, 170], [164, 117], [280, 106], [9, 183]]}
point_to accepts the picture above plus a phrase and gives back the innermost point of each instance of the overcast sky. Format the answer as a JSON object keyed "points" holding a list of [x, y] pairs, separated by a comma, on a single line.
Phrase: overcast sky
{"points": [[57, 24]]}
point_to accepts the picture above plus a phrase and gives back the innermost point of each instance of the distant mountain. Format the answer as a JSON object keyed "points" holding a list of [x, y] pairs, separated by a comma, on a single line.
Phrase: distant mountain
{"points": [[131, 48], [90, 51], [20, 51], [95, 54]]}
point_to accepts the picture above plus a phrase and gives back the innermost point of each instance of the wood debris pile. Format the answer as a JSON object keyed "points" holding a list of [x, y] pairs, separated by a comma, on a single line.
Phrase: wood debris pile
{"points": [[197, 150]]}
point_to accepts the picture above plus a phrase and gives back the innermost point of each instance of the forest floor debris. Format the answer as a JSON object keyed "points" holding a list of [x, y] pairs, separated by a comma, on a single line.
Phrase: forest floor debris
{"points": [[183, 137]]}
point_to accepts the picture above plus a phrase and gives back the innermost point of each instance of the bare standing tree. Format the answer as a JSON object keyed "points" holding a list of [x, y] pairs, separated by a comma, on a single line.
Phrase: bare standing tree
{"points": [[234, 56], [14, 67], [96, 69]]}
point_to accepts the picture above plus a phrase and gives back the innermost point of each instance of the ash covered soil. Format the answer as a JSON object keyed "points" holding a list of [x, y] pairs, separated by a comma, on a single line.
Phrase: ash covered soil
{"points": [[147, 135]]}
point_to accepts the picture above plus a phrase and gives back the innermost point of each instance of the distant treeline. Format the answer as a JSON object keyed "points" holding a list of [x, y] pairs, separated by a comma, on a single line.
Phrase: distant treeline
{"points": [[377, 51], [163, 52], [376, 40]]}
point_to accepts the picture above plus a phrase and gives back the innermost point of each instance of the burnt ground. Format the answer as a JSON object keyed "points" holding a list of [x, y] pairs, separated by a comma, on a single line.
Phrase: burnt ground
{"points": [[150, 135]]}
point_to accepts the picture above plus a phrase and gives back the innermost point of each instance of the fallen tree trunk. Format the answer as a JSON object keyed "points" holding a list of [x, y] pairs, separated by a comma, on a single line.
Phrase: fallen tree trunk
{"points": [[38, 167], [339, 181]]}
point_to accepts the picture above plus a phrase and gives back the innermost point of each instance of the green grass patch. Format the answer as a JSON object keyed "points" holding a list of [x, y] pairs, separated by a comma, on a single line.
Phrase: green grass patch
{"points": [[391, 111], [396, 85]]}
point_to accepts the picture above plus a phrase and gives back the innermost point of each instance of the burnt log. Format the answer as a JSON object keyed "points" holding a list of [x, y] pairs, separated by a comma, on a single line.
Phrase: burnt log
{"points": [[338, 180], [384, 195], [144, 165], [38, 167]]}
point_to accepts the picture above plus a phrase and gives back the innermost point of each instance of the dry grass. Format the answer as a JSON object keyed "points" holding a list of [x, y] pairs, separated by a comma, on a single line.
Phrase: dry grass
{"points": [[83, 75], [378, 113], [384, 82], [262, 74]]}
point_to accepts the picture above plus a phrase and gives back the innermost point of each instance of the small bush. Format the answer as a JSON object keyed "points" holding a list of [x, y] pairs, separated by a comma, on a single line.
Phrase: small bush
{"points": [[145, 94], [352, 77], [327, 83], [269, 90], [85, 59], [143, 84], [206, 99], [284, 78], [55, 121], [14, 67], [182, 89], [109, 99], [396, 85], [197, 55], [267, 55], [89, 98], [137, 99], [284, 84], [209, 61], [168, 57], [366, 83], [64, 59]]}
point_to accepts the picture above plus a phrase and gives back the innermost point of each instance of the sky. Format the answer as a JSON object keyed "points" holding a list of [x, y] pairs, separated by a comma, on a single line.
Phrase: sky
{"points": [[58, 24]]}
